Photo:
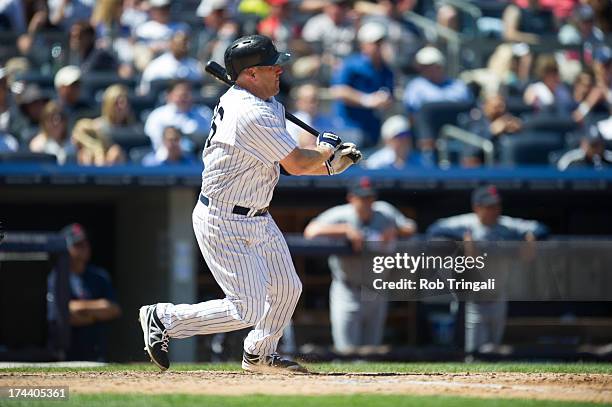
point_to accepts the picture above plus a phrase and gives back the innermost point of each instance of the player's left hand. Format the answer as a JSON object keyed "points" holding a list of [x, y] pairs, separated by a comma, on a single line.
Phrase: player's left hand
{"points": [[346, 155], [329, 140]]}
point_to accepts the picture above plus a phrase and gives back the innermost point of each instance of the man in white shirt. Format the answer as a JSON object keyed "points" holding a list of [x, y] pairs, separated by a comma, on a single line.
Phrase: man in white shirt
{"points": [[174, 64], [158, 30], [179, 112], [397, 152]]}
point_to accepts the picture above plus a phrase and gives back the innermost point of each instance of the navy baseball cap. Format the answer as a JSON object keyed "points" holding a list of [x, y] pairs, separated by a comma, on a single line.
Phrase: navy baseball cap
{"points": [[362, 187], [485, 196], [74, 233]]}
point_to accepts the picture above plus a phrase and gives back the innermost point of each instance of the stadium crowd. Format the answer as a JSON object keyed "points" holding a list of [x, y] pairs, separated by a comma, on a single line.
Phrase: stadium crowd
{"points": [[414, 83]]}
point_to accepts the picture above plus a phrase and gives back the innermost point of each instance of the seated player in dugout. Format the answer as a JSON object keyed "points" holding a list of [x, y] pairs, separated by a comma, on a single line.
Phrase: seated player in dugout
{"points": [[92, 299]]}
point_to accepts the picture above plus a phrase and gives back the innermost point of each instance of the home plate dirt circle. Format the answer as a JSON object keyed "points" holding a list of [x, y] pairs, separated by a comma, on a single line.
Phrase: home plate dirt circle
{"points": [[541, 386]]}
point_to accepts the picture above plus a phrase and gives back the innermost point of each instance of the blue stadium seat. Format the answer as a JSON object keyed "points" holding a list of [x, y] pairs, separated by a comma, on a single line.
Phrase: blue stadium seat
{"points": [[432, 116], [141, 105], [26, 157], [95, 82], [550, 123], [130, 138], [516, 106], [529, 147]]}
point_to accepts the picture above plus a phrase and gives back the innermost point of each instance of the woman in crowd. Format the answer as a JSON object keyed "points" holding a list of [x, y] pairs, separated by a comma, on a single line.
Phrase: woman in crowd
{"points": [[53, 137]]}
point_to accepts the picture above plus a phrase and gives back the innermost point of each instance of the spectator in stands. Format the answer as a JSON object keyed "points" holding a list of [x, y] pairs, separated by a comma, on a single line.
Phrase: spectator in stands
{"points": [[92, 303], [397, 152], [581, 30], [432, 85], [485, 321], [602, 67], [179, 111], [33, 44], [279, 24], [113, 35], [527, 24], [172, 153], [356, 323], [584, 97], [8, 110], [116, 112], [95, 147], [106, 20], [331, 34], [219, 30], [157, 32], [599, 96], [592, 153], [507, 71], [307, 104], [403, 37], [67, 83], [603, 14], [8, 143], [363, 85], [84, 54], [447, 16], [174, 64], [134, 14], [12, 16], [31, 103], [67, 12], [549, 94], [493, 119], [54, 137]]}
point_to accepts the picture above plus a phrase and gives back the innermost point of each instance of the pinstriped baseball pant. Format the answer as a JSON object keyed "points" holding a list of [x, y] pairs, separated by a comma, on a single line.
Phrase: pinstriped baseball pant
{"points": [[250, 260]]}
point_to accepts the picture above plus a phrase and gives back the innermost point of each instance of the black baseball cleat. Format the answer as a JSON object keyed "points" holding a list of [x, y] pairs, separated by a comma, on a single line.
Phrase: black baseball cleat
{"points": [[155, 336], [270, 364]]}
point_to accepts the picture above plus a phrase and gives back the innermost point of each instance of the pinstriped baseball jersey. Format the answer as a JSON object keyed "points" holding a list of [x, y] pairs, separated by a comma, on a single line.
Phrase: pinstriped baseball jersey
{"points": [[247, 140], [247, 255]]}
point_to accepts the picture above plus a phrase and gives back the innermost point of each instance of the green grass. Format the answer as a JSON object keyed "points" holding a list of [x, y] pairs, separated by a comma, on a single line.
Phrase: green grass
{"points": [[131, 400], [417, 368]]}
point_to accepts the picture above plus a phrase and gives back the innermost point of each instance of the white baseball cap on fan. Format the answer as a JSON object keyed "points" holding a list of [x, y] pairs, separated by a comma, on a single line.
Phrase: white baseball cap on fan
{"points": [[371, 32], [430, 56], [206, 7]]}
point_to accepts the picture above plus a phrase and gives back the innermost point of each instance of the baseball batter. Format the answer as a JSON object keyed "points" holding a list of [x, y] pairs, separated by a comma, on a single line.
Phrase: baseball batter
{"points": [[247, 148]]}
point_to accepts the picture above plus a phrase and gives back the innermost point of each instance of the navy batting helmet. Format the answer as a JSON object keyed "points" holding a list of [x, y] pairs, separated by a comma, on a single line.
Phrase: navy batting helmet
{"points": [[252, 50]]}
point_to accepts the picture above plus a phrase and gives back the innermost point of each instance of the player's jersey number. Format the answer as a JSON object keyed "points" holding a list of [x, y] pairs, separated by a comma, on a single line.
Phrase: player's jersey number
{"points": [[217, 117]]}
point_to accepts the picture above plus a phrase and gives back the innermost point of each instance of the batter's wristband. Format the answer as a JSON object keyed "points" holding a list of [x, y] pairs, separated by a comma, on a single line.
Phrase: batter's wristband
{"points": [[330, 169]]}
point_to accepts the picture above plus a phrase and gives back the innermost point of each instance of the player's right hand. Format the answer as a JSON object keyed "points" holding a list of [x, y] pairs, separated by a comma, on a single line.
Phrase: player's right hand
{"points": [[346, 155], [328, 140]]}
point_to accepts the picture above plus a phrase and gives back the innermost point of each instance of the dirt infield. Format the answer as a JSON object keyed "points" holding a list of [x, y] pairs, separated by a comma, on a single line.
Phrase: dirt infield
{"points": [[542, 386]]}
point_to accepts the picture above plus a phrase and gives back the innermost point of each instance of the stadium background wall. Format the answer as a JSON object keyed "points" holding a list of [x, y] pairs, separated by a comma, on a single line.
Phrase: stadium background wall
{"points": [[143, 236]]}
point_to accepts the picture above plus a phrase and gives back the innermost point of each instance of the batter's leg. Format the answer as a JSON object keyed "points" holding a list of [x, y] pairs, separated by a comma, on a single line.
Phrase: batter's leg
{"points": [[283, 288], [225, 246]]}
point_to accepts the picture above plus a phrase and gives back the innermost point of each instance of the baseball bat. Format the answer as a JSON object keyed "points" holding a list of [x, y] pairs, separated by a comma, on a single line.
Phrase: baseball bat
{"points": [[219, 72]]}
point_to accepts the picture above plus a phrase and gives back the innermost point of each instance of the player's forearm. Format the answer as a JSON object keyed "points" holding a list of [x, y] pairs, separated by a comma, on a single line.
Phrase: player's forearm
{"points": [[100, 309], [315, 229], [348, 95], [306, 161], [321, 170]]}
